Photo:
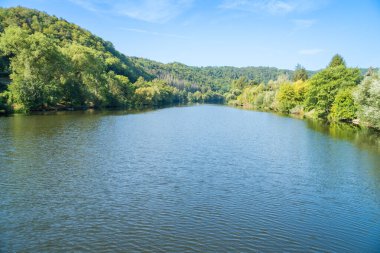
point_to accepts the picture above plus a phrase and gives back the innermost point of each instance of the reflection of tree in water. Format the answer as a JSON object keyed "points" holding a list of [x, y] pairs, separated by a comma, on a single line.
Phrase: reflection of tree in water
{"points": [[365, 138]]}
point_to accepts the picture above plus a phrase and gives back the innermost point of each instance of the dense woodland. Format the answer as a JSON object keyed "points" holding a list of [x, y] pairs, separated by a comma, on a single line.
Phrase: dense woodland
{"points": [[49, 63]]}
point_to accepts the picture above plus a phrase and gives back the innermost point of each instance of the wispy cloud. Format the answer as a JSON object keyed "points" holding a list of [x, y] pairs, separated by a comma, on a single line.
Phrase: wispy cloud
{"points": [[274, 7], [136, 30], [313, 51], [303, 23], [98, 6], [155, 11]]}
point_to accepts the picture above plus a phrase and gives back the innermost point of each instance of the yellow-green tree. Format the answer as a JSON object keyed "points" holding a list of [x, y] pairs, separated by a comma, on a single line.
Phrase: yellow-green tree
{"points": [[325, 85]]}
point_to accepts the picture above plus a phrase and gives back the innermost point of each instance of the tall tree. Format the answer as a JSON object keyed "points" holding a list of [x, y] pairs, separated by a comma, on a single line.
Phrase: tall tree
{"points": [[336, 61], [324, 86], [300, 73], [37, 68]]}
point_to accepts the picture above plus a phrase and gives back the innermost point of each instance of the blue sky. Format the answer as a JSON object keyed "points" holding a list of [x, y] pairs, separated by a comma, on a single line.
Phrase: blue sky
{"points": [[278, 33]]}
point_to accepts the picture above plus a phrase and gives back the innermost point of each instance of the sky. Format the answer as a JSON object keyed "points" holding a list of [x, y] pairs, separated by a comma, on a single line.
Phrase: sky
{"points": [[276, 33]]}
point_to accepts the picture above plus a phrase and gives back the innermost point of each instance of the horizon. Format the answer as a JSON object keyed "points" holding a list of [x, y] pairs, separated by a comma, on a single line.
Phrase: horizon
{"points": [[219, 33]]}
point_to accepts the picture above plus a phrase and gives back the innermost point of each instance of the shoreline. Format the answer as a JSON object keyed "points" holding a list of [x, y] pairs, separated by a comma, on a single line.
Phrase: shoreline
{"points": [[137, 109]]}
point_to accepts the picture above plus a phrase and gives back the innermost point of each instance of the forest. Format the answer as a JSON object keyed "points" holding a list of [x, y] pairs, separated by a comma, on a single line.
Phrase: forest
{"points": [[47, 63]]}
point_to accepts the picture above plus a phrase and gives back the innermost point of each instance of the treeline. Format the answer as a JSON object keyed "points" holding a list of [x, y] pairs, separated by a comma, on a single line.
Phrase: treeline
{"points": [[336, 93], [49, 63], [207, 78]]}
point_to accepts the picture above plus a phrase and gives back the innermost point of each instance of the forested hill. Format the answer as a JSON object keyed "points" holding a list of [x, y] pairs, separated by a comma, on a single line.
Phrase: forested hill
{"points": [[63, 33], [218, 78], [54, 63]]}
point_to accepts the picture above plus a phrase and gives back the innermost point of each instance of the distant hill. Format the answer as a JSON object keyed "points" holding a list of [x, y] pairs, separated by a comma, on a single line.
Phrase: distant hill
{"points": [[177, 74], [218, 78]]}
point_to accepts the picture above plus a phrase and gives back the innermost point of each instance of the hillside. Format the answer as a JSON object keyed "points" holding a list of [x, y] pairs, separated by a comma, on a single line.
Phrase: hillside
{"points": [[77, 49], [63, 33], [217, 78]]}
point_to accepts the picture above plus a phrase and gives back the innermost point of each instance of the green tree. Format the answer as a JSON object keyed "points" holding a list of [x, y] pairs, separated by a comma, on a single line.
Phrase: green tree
{"points": [[286, 97], [325, 85], [240, 83], [367, 97], [336, 61], [301, 88], [88, 69], [147, 96], [37, 68], [344, 107], [300, 73]]}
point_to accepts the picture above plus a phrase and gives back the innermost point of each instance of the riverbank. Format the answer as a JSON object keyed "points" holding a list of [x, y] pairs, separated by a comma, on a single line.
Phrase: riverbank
{"points": [[301, 114], [135, 109]]}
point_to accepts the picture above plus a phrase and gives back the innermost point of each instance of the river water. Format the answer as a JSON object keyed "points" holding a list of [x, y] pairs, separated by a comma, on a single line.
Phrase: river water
{"points": [[186, 179]]}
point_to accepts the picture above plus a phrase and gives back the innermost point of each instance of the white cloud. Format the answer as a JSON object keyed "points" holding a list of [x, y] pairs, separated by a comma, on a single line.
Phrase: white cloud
{"points": [[313, 51], [137, 30], [274, 7], [155, 11], [303, 23]]}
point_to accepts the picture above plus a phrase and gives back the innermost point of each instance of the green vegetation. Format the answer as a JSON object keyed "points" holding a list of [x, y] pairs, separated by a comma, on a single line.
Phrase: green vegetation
{"points": [[367, 97], [344, 107], [54, 64], [325, 85], [206, 78], [336, 93], [49, 63], [300, 73]]}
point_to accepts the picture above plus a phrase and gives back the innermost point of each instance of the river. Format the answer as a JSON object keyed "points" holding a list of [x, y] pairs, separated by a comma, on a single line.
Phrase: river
{"points": [[201, 178]]}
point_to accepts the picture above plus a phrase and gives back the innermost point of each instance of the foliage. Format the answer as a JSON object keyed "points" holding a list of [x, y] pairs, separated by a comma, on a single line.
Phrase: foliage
{"points": [[37, 68], [261, 97], [300, 73], [78, 68], [219, 79], [3, 102], [324, 86], [286, 97], [344, 107], [368, 98], [337, 61], [155, 92]]}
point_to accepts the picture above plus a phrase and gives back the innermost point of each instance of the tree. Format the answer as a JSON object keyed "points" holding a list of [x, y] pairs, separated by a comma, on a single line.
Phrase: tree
{"points": [[300, 73], [344, 107], [324, 86], [301, 88], [367, 97], [37, 68], [286, 97], [88, 68], [336, 61], [240, 83], [147, 96]]}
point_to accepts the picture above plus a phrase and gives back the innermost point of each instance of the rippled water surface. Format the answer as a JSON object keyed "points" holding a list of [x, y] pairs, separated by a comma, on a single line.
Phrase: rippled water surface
{"points": [[187, 179]]}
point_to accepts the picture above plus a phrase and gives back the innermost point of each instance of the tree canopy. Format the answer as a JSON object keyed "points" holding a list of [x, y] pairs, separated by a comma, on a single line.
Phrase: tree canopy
{"points": [[300, 73], [337, 61]]}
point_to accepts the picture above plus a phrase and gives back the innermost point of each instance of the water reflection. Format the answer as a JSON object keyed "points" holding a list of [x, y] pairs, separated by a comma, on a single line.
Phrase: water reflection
{"points": [[363, 137], [201, 178]]}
